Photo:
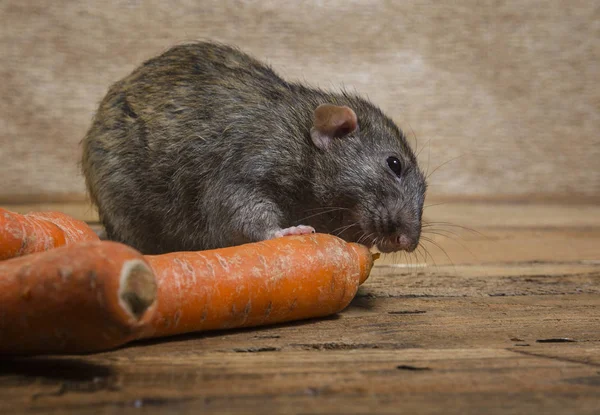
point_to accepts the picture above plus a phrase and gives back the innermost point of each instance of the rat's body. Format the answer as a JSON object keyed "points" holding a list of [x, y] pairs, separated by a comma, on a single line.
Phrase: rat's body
{"points": [[204, 147]]}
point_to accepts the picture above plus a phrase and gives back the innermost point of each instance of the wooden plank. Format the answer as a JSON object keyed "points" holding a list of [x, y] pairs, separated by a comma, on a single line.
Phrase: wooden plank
{"points": [[391, 349], [514, 329], [492, 245], [458, 380]]}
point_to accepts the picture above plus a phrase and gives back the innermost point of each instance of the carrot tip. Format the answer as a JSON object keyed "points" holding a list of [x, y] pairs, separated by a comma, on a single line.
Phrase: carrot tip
{"points": [[137, 289], [375, 256], [365, 260]]}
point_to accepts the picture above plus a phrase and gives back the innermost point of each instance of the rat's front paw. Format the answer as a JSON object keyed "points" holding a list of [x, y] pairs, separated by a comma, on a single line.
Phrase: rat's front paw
{"points": [[294, 230]]}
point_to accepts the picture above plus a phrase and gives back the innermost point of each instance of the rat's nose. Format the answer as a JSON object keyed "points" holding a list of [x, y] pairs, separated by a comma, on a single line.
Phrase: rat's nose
{"points": [[403, 242], [398, 242]]}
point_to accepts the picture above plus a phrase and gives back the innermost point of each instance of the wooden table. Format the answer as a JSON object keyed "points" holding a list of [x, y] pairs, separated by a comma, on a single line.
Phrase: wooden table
{"points": [[506, 320]]}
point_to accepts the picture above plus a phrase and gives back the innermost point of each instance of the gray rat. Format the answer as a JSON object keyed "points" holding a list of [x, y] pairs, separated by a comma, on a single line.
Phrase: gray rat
{"points": [[205, 147]]}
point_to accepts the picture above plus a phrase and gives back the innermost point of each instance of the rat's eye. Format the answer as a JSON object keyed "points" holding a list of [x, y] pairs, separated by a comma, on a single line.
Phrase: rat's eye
{"points": [[395, 165]]}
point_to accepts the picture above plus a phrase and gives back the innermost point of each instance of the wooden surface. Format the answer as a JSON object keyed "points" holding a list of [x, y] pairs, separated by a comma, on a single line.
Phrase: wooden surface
{"points": [[509, 323]]}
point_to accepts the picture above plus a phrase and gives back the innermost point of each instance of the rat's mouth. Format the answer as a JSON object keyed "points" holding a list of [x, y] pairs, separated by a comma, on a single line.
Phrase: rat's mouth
{"points": [[386, 244], [389, 238], [396, 243], [392, 243], [386, 248]]}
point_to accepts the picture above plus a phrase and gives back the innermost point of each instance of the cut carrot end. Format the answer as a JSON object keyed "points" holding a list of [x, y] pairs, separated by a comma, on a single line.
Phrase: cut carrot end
{"points": [[137, 288], [365, 261]]}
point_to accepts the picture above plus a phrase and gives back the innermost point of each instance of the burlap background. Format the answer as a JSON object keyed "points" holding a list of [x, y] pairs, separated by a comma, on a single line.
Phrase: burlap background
{"points": [[512, 87]]}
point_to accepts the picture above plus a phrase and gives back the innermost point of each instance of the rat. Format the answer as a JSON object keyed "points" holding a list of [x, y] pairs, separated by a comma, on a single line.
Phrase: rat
{"points": [[204, 147]]}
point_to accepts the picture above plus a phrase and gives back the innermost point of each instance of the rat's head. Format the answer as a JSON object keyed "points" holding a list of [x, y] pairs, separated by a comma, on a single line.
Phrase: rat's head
{"points": [[366, 165]]}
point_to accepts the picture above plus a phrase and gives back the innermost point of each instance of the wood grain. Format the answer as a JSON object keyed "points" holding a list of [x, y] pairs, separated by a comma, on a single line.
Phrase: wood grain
{"points": [[516, 332]]}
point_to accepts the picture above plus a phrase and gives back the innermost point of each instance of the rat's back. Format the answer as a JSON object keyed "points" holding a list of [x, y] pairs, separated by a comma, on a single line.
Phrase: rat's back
{"points": [[162, 135]]}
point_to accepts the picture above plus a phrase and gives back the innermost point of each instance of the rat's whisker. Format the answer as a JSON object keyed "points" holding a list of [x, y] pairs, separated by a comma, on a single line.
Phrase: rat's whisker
{"points": [[435, 204], [418, 261], [364, 237], [455, 240], [342, 229], [453, 225], [359, 231], [428, 157], [406, 257], [419, 152], [443, 164], [413, 261], [422, 251], [431, 241], [427, 254], [375, 240], [442, 232], [327, 208], [324, 212]]}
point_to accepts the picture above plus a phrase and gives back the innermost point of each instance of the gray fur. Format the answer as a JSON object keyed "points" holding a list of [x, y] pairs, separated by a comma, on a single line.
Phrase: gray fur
{"points": [[204, 147]]}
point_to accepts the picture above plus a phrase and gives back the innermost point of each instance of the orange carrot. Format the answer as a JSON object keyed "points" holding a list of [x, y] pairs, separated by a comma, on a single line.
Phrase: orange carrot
{"points": [[39, 231], [283, 279], [87, 297], [96, 296]]}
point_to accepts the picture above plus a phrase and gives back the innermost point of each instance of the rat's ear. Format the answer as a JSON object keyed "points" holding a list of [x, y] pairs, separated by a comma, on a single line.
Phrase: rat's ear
{"points": [[332, 121]]}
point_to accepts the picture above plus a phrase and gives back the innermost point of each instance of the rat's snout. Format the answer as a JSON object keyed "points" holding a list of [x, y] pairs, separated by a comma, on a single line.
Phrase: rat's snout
{"points": [[399, 232], [399, 242], [404, 243]]}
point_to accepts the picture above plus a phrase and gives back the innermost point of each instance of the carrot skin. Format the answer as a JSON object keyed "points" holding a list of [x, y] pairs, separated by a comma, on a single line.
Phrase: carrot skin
{"points": [[274, 281], [39, 231], [71, 299], [83, 298]]}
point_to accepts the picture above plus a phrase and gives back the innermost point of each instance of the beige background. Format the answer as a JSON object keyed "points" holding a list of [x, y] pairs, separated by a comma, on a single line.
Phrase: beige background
{"points": [[509, 87]]}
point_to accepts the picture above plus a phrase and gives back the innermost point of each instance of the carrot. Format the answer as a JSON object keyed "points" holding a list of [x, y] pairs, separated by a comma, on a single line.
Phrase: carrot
{"points": [[39, 231], [82, 298], [95, 296], [283, 279]]}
